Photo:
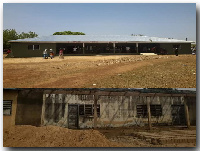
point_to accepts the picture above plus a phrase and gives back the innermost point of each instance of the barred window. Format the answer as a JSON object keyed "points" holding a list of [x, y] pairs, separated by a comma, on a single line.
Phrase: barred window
{"points": [[88, 110], [141, 110], [156, 110], [86, 97], [7, 107]]}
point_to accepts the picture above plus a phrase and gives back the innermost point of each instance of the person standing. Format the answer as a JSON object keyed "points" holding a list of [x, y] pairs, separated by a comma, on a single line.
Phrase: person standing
{"points": [[51, 53], [61, 53], [176, 51], [45, 54]]}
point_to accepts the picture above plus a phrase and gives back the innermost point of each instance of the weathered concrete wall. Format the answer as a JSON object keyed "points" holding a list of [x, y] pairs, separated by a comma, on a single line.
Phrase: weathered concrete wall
{"points": [[29, 107], [20, 50], [124, 113], [49, 110], [115, 111], [9, 120], [191, 101]]}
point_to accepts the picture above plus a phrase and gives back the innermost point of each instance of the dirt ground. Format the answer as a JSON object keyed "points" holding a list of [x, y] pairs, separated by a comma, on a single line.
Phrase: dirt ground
{"points": [[122, 71], [159, 136], [52, 136]]}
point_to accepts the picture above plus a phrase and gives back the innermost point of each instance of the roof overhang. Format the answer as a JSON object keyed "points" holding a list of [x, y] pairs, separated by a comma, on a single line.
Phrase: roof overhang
{"points": [[101, 42], [125, 93]]}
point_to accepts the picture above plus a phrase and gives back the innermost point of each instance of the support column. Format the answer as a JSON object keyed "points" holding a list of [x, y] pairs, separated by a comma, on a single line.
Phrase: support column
{"points": [[60, 101], [148, 112], [52, 109], [83, 48], [43, 109], [186, 113], [95, 110], [137, 47], [114, 47]]}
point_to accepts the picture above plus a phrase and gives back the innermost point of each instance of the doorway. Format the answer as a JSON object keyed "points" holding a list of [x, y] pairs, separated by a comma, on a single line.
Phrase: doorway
{"points": [[178, 115], [73, 116]]}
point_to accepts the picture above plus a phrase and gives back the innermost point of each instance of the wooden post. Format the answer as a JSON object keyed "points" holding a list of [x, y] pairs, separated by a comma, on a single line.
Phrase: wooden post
{"points": [[95, 111], [149, 112], [114, 47], [53, 109], [137, 47], [83, 48], [187, 113], [43, 109]]}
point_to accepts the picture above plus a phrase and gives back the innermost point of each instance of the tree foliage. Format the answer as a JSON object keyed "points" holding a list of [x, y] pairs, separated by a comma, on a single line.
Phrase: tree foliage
{"points": [[11, 34], [30, 34], [68, 33]]}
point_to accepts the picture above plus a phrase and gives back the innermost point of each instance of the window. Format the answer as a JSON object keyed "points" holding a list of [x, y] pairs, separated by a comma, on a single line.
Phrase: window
{"points": [[86, 97], [33, 47], [88, 109], [141, 110], [7, 107], [30, 47], [156, 110], [81, 109], [36, 47]]}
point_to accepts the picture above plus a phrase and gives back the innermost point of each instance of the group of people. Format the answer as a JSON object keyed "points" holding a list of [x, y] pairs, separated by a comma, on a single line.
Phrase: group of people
{"points": [[51, 53], [46, 55]]}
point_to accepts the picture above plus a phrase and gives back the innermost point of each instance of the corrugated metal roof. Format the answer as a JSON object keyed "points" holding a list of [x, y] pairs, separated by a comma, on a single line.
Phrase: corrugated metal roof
{"points": [[100, 38], [150, 90]]}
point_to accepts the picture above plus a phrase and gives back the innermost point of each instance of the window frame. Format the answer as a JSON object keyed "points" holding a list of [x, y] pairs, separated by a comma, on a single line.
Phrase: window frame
{"points": [[158, 108], [4, 107], [33, 47], [145, 112], [91, 107]]}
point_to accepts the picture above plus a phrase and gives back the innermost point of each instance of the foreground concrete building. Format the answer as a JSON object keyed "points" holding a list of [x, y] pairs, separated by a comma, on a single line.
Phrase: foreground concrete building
{"points": [[92, 108], [9, 108], [97, 44]]}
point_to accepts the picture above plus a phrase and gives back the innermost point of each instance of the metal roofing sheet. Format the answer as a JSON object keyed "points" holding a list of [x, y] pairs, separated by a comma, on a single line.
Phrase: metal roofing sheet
{"points": [[98, 38]]}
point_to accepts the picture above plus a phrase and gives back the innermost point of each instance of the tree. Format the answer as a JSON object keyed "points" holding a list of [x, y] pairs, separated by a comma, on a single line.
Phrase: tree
{"points": [[68, 33], [24, 35], [11, 34]]}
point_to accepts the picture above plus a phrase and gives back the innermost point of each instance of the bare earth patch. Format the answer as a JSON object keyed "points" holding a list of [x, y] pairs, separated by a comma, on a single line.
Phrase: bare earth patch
{"points": [[53, 136], [167, 71]]}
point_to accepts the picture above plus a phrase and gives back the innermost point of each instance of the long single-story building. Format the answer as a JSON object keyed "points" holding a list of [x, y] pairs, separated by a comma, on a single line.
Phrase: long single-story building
{"points": [[92, 108], [97, 44]]}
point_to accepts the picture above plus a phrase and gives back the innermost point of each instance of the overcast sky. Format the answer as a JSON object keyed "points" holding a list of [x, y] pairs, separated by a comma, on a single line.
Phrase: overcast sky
{"points": [[168, 20]]}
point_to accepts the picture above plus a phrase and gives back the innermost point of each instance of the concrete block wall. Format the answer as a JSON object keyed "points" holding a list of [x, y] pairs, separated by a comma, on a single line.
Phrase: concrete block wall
{"points": [[20, 50], [9, 120], [115, 111], [29, 107]]}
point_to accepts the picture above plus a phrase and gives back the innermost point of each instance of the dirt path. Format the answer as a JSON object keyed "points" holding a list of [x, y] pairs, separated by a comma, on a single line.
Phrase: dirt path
{"points": [[93, 71]]}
